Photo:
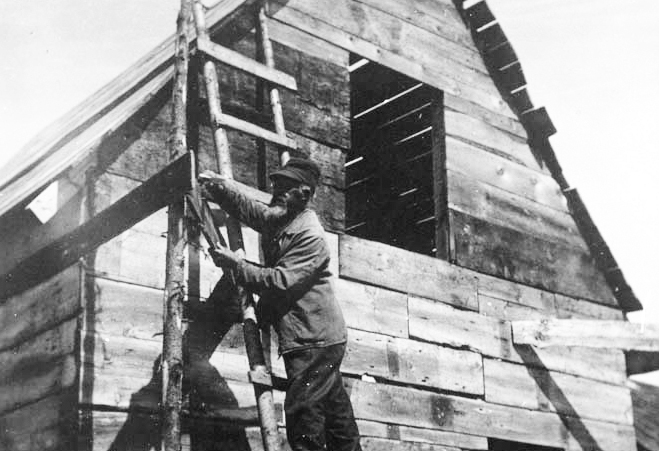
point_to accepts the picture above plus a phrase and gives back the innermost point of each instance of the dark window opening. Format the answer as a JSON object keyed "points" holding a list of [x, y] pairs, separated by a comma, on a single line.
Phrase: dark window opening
{"points": [[505, 445], [395, 170]]}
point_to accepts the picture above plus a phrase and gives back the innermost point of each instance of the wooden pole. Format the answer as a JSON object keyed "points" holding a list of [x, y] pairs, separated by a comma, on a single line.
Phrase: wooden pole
{"points": [[172, 353], [269, 60], [258, 370]]}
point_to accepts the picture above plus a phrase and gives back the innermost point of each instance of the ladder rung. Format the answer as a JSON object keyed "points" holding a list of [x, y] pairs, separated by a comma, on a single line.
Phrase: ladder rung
{"points": [[224, 120], [246, 64]]}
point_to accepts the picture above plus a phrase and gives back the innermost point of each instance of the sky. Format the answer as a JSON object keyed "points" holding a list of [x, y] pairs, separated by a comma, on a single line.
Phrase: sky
{"points": [[592, 63]]}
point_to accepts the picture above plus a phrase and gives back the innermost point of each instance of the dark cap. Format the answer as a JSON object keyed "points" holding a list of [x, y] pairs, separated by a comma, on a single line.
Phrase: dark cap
{"points": [[300, 169]]}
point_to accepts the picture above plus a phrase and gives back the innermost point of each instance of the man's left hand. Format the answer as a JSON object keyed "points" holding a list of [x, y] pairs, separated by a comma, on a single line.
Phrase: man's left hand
{"points": [[224, 258]]}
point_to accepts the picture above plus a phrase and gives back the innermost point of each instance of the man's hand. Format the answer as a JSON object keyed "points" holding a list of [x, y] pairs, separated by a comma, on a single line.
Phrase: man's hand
{"points": [[224, 258], [210, 184]]}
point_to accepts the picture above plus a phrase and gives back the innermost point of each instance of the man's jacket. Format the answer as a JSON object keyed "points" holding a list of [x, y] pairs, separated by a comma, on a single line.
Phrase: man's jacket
{"points": [[294, 284]]}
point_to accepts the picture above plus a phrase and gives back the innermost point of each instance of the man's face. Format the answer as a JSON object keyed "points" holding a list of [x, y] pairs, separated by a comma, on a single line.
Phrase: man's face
{"points": [[288, 194]]}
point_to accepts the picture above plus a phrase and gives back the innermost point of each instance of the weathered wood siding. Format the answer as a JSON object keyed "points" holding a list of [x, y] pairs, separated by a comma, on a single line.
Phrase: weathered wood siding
{"points": [[508, 217], [38, 364]]}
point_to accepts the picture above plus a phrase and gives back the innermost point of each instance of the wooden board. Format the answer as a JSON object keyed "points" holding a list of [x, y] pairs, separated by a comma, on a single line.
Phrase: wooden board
{"points": [[413, 363], [515, 385], [588, 333], [443, 324], [407, 406], [507, 310], [645, 399], [502, 173], [567, 308], [503, 122], [491, 139], [40, 308], [509, 254], [435, 74], [48, 424], [400, 270], [394, 431], [373, 309], [505, 209]]}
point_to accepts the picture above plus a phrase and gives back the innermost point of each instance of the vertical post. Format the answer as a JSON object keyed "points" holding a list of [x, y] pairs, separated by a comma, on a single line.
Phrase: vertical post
{"points": [[440, 183], [172, 353]]}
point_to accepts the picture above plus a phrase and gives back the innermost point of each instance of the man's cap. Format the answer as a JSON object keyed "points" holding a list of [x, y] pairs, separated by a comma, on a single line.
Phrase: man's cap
{"points": [[300, 169]]}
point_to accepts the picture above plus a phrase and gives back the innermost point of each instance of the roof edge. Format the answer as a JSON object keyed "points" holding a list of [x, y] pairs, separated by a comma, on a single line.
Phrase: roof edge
{"points": [[506, 71]]}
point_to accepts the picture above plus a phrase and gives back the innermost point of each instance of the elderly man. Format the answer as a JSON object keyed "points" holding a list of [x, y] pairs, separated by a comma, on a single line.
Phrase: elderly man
{"points": [[297, 298]]}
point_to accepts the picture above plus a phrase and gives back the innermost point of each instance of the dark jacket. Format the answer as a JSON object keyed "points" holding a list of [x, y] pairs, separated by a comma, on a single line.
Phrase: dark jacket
{"points": [[294, 284]]}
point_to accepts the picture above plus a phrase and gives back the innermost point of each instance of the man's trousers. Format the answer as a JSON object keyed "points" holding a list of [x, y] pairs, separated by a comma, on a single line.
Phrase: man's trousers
{"points": [[318, 409]]}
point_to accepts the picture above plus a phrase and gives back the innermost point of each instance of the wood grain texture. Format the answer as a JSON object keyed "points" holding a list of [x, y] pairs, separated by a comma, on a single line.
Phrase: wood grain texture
{"points": [[414, 434], [434, 74], [509, 254], [413, 363], [502, 173], [491, 139], [48, 424], [443, 324], [506, 123], [588, 333], [40, 308], [645, 399], [483, 201], [514, 385], [373, 309], [400, 270], [407, 406]]}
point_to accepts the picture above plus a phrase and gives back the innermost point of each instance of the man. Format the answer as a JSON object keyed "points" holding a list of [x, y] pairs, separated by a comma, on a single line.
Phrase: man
{"points": [[297, 298]]}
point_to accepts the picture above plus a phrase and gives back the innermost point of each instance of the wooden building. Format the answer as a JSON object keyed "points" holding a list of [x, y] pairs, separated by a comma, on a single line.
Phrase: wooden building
{"points": [[444, 205]]}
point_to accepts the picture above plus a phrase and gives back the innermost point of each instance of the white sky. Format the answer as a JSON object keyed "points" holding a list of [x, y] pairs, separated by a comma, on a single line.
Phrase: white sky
{"points": [[593, 63]]}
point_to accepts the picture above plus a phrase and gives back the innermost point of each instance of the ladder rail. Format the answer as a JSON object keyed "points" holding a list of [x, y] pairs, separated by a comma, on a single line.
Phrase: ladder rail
{"points": [[263, 391]]}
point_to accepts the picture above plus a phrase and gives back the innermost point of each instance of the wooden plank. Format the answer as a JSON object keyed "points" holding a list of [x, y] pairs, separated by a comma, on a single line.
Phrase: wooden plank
{"points": [[508, 290], [511, 147], [506, 310], [407, 406], [588, 333], [303, 42], [567, 308], [419, 435], [405, 271], [169, 184], [40, 308], [383, 444], [38, 367], [48, 424], [515, 385], [502, 173], [412, 362], [639, 362], [442, 324], [510, 254], [645, 398], [232, 58], [506, 123], [225, 120], [434, 74], [373, 309], [503, 208]]}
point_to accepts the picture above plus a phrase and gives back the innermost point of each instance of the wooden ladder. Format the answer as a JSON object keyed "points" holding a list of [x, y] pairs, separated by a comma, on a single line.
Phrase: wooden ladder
{"points": [[259, 373]]}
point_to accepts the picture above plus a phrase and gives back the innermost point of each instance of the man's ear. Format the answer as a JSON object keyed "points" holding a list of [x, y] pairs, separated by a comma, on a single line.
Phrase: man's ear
{"points": [[307, 192]]}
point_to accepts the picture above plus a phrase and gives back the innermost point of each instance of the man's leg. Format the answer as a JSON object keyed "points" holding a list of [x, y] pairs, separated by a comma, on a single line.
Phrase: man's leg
{"points": [[340, 427], [305, 418]]}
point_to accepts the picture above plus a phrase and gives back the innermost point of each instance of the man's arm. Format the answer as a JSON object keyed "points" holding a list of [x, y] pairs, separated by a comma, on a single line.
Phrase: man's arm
{"points": [[293, 275], [235, 200]]}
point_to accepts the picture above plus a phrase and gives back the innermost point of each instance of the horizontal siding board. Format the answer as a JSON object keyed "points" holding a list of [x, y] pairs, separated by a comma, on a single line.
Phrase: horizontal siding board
{"points": [[511, 125], [497, 171], [438, 323], [510, 254], [515, 385], [400, 270], [500, 207], [407, 406], [40, 308], [414, 363], [492, 139], [414, 434]]}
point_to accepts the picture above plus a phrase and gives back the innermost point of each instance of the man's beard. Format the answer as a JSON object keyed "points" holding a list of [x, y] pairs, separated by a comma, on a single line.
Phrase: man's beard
{"points": [[285, 207]]}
